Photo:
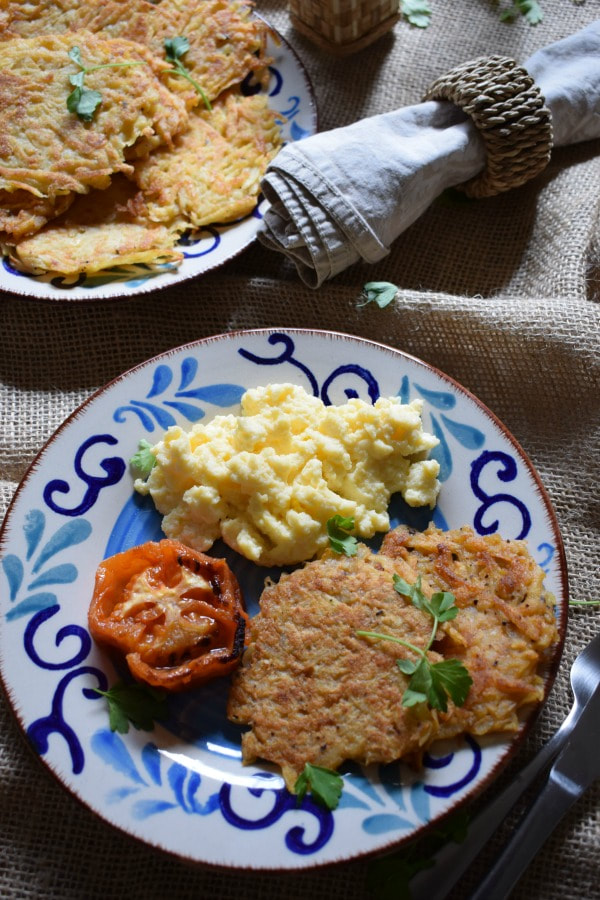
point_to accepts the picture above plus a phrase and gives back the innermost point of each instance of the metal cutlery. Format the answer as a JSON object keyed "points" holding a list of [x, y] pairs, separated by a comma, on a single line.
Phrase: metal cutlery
{"points": [[578, 764]]}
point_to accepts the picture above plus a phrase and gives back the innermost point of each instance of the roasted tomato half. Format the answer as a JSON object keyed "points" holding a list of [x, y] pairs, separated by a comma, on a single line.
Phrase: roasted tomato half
{"points": [[176, 614]]}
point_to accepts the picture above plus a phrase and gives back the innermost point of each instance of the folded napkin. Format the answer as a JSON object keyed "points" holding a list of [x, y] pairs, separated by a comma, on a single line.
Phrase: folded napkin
{"points": [[345, 195]]}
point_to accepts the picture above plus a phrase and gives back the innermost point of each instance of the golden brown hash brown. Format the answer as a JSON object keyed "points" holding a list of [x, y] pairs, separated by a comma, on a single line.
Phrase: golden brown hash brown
{"points": [[49, 156], [93, 236], [505, 626], [22, 213], [211, 174], [48, 152], [310, 687], [313, 691], [226, 41], [214, 171]]}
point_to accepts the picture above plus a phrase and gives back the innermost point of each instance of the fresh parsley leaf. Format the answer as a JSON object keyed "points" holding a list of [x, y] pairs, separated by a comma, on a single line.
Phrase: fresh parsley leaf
{"points": [[407, 666], [433, 683], [324, 784], [412, 591], [75, 55], [380, 292], [529, 9], [339, 539], [139, 704], [175, 49], [449, 678], [442, 605], [77, 79], [412, 698], [144, 460], [417, 12], [84, 102]]}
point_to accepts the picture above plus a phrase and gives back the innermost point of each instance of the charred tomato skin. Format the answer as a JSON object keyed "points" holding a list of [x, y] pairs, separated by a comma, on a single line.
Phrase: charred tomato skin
{"points": [[175, 614]]}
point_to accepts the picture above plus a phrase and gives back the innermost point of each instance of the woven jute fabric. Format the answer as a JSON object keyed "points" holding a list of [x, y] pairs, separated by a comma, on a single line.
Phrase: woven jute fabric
{"points": [[502, 294], [508, 110]]}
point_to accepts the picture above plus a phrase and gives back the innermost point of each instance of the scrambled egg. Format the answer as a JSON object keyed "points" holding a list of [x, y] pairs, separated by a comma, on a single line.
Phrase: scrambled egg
{"points": [[268, 480]]}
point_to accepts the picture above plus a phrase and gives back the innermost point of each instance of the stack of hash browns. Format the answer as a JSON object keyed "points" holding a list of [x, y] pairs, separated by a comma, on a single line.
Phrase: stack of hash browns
{"points": [[155, 161], [313, 690]]}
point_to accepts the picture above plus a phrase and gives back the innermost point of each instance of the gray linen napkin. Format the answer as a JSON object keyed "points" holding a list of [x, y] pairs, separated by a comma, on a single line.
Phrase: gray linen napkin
{"points": [[345, 195]]}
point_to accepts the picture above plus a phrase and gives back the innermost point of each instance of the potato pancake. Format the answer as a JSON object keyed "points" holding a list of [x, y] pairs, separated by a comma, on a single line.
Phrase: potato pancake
{"points": [[313, 691], [505, 626], [49, 155], [100, 230], [226, 41], [22, 213], [213, 172], [46, 150], [28, 18]]}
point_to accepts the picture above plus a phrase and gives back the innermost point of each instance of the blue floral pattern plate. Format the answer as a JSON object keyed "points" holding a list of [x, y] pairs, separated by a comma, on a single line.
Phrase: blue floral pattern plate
{"points": [[182, 787], [290, 93]]}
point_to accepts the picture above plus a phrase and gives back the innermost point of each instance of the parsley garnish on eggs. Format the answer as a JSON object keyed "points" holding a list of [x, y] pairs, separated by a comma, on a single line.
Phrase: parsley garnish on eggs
{"points": [[340, 539], [144, 460]]}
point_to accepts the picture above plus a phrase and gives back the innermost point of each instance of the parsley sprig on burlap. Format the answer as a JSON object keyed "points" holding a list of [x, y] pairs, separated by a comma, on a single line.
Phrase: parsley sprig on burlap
{"points": [[419, 12]]}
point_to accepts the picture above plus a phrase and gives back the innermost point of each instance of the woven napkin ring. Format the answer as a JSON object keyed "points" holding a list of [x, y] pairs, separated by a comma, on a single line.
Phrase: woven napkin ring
{"points": [[509, 112]]}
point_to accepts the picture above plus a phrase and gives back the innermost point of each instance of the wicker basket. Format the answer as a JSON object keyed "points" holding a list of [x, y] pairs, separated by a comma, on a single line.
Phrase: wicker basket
{"points": [[343, 26]]}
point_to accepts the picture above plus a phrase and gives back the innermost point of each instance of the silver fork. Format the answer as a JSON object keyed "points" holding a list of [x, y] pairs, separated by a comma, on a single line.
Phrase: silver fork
{"points": [[454, 859]]}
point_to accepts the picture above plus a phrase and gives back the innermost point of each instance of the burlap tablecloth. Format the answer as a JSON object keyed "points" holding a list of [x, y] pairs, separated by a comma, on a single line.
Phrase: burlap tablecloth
{"points": [[501, 294]]}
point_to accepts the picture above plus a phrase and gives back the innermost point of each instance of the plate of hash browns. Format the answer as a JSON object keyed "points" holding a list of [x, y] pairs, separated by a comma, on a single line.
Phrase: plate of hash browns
{"points": [[135, 137], [234, 712]]}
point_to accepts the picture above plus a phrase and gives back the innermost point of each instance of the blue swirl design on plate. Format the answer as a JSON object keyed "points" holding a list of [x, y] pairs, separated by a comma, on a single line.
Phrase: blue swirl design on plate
{"points": [[203, 241], [287, 356], [412, 802], [507, 470], [114, 467], [457, 785], [55, 723], [183, 784], [547, 552], [151, 785], [223, 395], [25, 574]]}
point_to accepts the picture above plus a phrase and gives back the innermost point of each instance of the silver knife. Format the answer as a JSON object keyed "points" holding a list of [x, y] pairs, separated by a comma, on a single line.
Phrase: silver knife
{"points": [[576, 767]]}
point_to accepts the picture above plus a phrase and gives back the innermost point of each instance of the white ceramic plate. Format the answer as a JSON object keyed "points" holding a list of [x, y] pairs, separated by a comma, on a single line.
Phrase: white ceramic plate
{"points": [[182, 787], [289, 93]]}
